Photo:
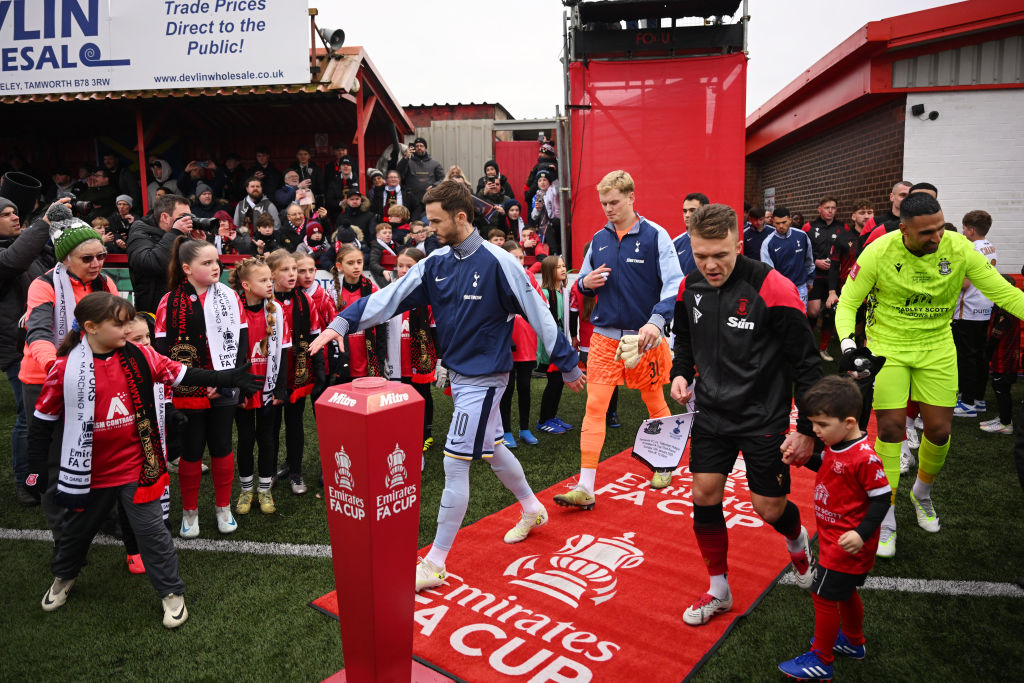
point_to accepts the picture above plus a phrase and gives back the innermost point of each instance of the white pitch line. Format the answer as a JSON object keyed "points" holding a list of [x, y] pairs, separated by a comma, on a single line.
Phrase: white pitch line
{"points": [[244, 547], [984, 589]]}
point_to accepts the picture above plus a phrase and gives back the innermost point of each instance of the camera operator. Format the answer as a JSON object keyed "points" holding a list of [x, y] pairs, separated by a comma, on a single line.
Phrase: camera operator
{"points": [[121, 221], [24, 255], [149, 248], [100, 192]]}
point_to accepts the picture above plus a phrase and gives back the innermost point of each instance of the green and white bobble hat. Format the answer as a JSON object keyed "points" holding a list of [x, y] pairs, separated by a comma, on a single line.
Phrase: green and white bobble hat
{"points": [[66, 231]]}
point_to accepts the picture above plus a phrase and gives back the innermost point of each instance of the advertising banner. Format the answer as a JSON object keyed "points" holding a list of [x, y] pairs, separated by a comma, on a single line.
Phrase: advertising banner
{"points": [[676, 125], [68, 46]]}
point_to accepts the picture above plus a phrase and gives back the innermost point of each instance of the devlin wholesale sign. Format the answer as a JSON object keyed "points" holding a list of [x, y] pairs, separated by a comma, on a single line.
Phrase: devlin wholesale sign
{"points": [[61, 46]]}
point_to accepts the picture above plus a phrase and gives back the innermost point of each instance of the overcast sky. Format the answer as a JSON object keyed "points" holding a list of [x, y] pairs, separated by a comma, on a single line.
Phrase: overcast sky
{"points": [[508, 51]]}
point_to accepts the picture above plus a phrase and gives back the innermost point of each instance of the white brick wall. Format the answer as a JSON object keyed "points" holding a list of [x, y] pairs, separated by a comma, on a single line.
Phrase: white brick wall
{"points": [[974, 154]]}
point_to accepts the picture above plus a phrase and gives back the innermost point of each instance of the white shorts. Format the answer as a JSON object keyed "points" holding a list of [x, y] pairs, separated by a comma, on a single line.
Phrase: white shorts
{"points": [[476, 422]]}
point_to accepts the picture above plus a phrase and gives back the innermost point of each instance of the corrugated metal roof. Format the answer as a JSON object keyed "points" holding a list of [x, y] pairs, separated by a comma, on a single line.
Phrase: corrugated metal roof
{"points": [[988, 63]]}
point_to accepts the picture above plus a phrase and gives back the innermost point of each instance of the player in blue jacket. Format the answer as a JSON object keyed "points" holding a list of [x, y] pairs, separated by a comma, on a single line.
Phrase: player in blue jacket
{"points": [[633, 270], [789, 252], [474, 289]]}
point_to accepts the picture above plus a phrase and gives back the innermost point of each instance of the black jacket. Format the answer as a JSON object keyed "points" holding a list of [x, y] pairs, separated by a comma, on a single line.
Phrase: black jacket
{"points": [[823, 238], [752, 345], [149, 255], [22, 259]]}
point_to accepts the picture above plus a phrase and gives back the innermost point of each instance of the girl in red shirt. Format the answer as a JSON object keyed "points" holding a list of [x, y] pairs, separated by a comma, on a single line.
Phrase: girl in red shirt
{"points": [[268, 344], [305, 279], [301, 323], [111, 450], [417, 346], [367, 350], [524, 360], [200, 323]]}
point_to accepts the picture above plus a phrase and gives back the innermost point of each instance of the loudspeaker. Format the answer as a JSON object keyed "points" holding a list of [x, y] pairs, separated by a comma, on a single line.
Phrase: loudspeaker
{"points": [[333, 37]]}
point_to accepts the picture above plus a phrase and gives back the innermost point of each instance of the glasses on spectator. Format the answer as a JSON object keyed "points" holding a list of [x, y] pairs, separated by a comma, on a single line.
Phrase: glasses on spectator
{"points": [[87, 258]]}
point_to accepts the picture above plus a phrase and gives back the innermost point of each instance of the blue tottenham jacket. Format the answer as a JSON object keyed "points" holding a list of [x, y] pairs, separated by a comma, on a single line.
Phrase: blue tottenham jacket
{"points": [[790, 254], [475, 290], [643, 282], [684, 251]]}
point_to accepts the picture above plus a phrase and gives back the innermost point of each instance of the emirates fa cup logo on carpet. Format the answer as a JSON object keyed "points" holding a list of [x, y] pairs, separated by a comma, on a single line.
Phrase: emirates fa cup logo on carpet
{"points": [[585, 568], [343, 476], [397, 474]]}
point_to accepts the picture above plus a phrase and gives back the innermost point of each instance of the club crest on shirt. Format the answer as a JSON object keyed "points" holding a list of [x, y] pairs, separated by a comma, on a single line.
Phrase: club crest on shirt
{"points": [[837, 467], [944, 268], [741, 306]]}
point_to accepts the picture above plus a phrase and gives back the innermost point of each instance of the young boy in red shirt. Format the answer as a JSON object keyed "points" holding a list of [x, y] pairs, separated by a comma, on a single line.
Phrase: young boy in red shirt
{"points": [[851, 497]]}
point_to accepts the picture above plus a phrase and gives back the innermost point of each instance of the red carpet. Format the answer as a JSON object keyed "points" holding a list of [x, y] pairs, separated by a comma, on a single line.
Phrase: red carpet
{"points": [[595, 595]]}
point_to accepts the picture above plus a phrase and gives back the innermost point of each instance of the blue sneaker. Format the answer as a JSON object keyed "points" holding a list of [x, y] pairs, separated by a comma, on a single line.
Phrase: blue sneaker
{"points": [[981, 406], [964, 410], [807, 667], [551, 427], [509, 440], [844, 647], [527, 437], [612, 420], [562, 422]]}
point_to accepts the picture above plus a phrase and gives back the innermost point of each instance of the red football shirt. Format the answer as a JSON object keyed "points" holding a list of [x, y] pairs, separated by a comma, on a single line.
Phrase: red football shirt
{"points": [[160, 323], [116, 449], [845, 481]]}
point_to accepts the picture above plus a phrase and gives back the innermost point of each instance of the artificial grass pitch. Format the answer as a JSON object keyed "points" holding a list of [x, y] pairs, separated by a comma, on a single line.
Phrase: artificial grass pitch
{"points": [[594, 595]]}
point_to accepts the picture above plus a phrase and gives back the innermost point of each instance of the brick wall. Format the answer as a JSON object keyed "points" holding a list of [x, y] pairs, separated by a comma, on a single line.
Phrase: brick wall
{"points": [[858, 158]]}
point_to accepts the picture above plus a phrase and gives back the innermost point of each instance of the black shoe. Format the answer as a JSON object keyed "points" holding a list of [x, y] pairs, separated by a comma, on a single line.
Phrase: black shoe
{"points": [[613, 421], [24, 498], [283, 474]]}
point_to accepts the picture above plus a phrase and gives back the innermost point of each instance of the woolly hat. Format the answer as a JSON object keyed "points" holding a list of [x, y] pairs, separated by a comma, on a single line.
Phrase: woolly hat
{"points": [[201, 188], [5, 202], [545, 173], [548, 149], [374, 172], [67, 231], [126, 199], [312, 226]]}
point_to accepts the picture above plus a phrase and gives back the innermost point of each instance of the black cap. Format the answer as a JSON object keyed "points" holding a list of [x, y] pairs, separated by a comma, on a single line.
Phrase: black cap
{"points": [[346, 160], [419, 140]]}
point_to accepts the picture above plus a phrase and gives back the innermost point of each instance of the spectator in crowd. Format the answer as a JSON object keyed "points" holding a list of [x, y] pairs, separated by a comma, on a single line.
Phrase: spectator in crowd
{"points": [[121, 220], [149, 248], [204, 205], [163, 178], [684, 251], [383, 197], [234, 179], [545, 212], [513, 222], [254, 205], [491, 171], [545, 160], [755, 232], [24, 255], [317, 245], [227, 238], [455, 173], [496, 236], [383, 256], [308, 170], [534, 251], [789, 252], [100, 192], [264, 237], [293, 227], [356, 216], [398, 218], [285, 194], [62, 183], [122, 179], [419, 172], [265, 172], [421, 238], [102, 227], [334, 169], [338, 185], [970, 323], [197, 172], [487, 218]]}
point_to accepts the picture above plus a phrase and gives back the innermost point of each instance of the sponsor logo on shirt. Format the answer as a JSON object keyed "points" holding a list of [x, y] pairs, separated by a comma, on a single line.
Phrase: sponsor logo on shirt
{"points": [[634, 260], [735, 322], [898, 266]]}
